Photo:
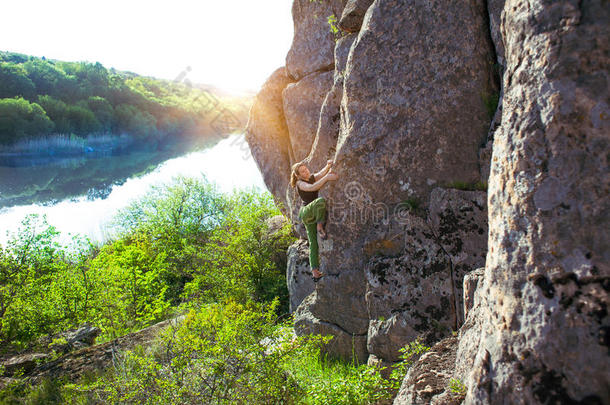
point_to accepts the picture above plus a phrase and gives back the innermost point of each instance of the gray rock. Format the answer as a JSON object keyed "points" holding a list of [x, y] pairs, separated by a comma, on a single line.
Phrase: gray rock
{"points": [[353, 14], [298, 273], [409, 295], [323, 147], [275, 224], [342, 49], [267, 136], [343, 343], [416, 291], [543, 317], [459, 221], [495, 9], [313, 43], [471, 281], [302, 103], [22, 364], [400, 137], [428, 379]]}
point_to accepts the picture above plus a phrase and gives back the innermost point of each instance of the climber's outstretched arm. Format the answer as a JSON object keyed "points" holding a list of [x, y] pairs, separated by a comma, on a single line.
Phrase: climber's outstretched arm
{"points": [[324, 170], [318, 184]]}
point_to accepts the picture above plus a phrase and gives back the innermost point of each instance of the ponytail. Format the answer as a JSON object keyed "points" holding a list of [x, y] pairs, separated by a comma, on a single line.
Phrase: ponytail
{"points": [[293, 173]]}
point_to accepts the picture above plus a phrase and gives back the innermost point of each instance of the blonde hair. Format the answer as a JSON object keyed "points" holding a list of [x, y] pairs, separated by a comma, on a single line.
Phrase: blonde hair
{"points": [[294, 175]]}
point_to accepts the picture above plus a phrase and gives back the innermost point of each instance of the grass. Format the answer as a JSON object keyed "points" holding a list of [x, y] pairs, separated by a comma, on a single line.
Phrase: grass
{"points": [[457, 387], [465, 186], [491, 101]]}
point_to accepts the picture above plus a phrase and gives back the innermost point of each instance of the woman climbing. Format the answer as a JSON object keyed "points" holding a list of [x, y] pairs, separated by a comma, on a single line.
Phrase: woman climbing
{"points": [[313, 211]]}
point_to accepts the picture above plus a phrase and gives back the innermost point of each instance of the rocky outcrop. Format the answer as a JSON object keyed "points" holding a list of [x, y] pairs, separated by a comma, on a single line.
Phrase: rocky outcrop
{"points": [[542, 310], [429, 379], [86, 361], [313, 43], [353, 14], [415, 111], [392, 151], [268, 138], [302, 103], [400, 117], [298, 273]]}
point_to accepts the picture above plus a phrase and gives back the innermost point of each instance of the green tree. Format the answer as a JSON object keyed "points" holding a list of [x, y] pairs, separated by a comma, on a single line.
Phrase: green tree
{"points": [[19, 119], [15, 82]]}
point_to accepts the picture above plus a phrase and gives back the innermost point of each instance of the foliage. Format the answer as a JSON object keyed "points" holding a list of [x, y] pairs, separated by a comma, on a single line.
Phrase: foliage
{"points": [[183, 243], [220, 354], [19, 119], [40, 96], [41, 284], [457, 387], [408, 355], [243, 260]]}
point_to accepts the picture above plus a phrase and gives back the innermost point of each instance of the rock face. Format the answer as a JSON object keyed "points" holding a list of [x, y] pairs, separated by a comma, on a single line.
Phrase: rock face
{"points": [[399, 138], [298, 273], [302, 103], [268, 138], [400, 117], [313, 44], [543, 303], [428, 379], [418, 290], [413, 117]]}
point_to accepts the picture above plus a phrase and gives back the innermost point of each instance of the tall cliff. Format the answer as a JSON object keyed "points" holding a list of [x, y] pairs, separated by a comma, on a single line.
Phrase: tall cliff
{"points": [[417, 102]]}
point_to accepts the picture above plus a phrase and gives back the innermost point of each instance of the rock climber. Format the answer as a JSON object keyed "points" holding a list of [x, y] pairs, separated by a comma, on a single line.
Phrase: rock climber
{"points": [[313, 211]]}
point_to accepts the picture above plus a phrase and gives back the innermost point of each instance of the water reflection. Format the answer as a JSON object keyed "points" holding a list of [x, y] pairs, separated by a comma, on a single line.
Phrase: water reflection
{"points": [[39, 179], [99, 187]]}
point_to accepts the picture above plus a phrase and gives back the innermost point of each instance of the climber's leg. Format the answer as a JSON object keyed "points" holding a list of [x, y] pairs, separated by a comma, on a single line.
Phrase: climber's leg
{"points": [[312, 237], [306, 214], [319, 210]]}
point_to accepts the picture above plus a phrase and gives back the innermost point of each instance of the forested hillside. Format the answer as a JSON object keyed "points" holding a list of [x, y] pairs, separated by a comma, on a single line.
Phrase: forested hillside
{"points": [[41, 97]]}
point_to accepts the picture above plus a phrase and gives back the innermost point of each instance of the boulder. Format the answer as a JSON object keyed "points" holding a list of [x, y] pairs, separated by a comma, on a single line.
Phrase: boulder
{"points": [[22, 364], [313, 42], [298, 273], [267, 136], [353, 14], [429, 378], [343, 343], [327, 133], [543, 310], [400, 136], [302, 103]]}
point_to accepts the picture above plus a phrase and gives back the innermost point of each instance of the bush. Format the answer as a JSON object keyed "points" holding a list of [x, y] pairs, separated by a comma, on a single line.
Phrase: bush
{"points": [[220, 354]]}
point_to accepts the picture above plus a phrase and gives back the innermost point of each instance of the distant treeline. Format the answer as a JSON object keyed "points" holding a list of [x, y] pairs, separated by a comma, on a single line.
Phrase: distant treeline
{"points": [[40, 97]]}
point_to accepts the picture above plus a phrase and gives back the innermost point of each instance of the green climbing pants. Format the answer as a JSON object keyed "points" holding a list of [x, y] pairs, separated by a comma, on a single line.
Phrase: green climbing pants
{"points": [[311, 214]]}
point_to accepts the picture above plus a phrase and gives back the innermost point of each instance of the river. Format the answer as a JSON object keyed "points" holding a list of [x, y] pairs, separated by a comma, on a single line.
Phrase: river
{"points": [[82, 196]]}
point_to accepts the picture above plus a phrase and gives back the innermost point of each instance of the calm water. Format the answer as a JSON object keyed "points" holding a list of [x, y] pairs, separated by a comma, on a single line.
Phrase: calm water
{"points": [[81, 196]]}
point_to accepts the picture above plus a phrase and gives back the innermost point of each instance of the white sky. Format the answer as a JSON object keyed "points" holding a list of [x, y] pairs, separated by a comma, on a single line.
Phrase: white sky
{"points": [[233, 44]]}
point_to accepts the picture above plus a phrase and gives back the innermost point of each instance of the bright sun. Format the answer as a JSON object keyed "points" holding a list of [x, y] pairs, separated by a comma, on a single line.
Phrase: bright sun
{"points": [[233, 44]]}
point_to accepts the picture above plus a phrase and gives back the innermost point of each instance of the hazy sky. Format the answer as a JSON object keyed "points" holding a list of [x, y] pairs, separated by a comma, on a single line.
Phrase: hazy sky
{"points": [[234, 44]]}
